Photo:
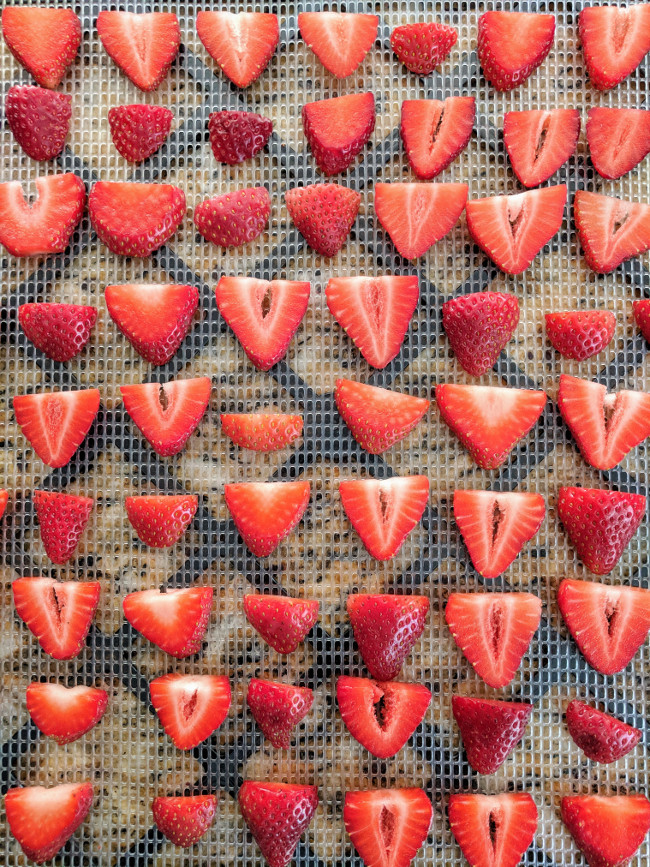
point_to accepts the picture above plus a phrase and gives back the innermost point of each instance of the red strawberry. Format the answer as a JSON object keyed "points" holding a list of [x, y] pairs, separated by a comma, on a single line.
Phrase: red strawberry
{"points": [[493, 830], [282, 622], [173, 620], [142, 45], [377, 418], [65, 714], [190, 707], [62, 518], [490, 729], [610, 230], [615, 39], [417, 216], [43, 820], [387, 826], [44, 40], [234, 219], [278, 708], [493, 630], [539, 142], [381, 716], [423, 46], [384, 511], [4, 499], [138, 131], [263, 314], [337, 129], [160, 521], [277, 815], [489, 421], [59, 330], [46, 225], [375, 312], [154, 317], [436, 131], [266, 512], [261, 432], [511, 45], [184, 820], [323, 214], [601, 737], [618, 139], [608, 830], [600, 524], [641, 310], [609, 624], [340, 40], [236, 136], [242, 44], [512, 230], [39, 120], [478, 327], [135, 219], [580, 334], [57, 613], [167, 415]]}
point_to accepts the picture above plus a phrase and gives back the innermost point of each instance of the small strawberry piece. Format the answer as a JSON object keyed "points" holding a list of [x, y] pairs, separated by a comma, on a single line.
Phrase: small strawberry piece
{"points": [[493, 830], [65, 714], [600, 524], [277, 815], [608, 830], [44, 40], [436, 131], [323, 214], [490, 729], [337, 129], [478, 327], [62, 518], [610, 230], [262, 432], [43, 820], [641, 310], [58, 613], [615, 39], [4, 499], [278, 708], [39, 120], [387, 826], [59, 330], [138, 131], [184, 820], [173, 620], [142, 45], [601, 737], [539, 142], [282, 622], [234, 219], [266, 512], [618, 139], [236, 136], [160, 521], [423, 46], [190, 707], [580, 334], [511, 45], [241, 44], [340, 40]]}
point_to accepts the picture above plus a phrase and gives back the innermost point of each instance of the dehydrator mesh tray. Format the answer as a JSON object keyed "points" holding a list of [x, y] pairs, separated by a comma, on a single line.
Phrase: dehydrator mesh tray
{"points": [[127, 757]]}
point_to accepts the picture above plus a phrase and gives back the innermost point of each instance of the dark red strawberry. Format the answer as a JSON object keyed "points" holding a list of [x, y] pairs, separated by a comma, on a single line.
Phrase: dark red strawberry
{"points": [[161, 520], [608, 830], [138, 131], [242, 44], [143, 45], [611, 230], [236, 136], [511, 45], [423, 46], [337, 129], [493, 830], [39, 120], [642, 316], [601, 737], [174, 620], [490, 729], [65, 714], [600, 524], [184, 820], [436, 131], [387, 826], [282, 622], [278, 708], [615, 39], [190, 707], [266, 512], [618, 139], [62, 518], [43, 39], [580, 334], [539, 142], [478, 327], [262, 432], [340, 40], [4, 499], [323, 214], [234, 219], [59, 330], [277, 815]]}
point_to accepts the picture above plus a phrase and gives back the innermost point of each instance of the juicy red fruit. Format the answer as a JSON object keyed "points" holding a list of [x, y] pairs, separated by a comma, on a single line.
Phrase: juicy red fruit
{"points": [[337, 129], [60, 331], [493, 830], [423, 46], [262, 432], [478, 327], [277, 815], [174, 620], [611, 230], [282, 622], [161, 520], [278, 708], [138, 131], [65, 714], [184, 820], [143, 45], [39, 120], [490, 729], [340, 40], [539, 142], [601, 737], [511, 45], [44, 40], [266, 512], [607, 829], [234, 219], [618, 139], [580, 334], [615, 39], [241, 44], [62, 518], [641, 310], [236, 136], [190, 707], [435, 132], [323, 214]]}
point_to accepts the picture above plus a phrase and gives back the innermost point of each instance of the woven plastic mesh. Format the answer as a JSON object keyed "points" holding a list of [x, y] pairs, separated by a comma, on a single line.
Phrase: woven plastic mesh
{"points": [[127, 757]]}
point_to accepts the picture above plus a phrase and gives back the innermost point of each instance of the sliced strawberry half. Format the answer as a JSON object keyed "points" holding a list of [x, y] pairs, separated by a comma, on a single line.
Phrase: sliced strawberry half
{"points": [[39, 120], [641, 310], [4, 499], [237, 136], [424, 45], [436, 131], [337, 129], [44, 40], [266, 512], [241, 44], [277, 815], [601, 737], [610, 230], [59, 330], [615, 39], [65, 714], [282, 622], [138, 131], [262, 432], [539, 142], [143, 45], [340, 40], [161, 520], [278, 708], [190, 707], [234, 219], [387, 826], [493, 830], [618, 139], [580, 334], [184, 820], [478, 327], [608, 829], [323, 214], [511, 45], [62, 518], [173, 620], [490, 729]]}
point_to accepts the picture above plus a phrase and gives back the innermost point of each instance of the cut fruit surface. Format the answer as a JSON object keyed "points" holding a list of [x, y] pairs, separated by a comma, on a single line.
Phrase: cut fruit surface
{"points": [[65, 714], [266, 512], [539, 142], [435, 132], [618, 139], [143, 45], [44, 40], [493, 830], [173, 620], [190, 707], [337, 129], [340, 40], [615, 39], [611, 230], [242, 44]]}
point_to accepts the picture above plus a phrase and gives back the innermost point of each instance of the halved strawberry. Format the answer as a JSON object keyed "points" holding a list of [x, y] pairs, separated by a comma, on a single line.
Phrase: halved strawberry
{"points": [[62, 518], [511, 45], [190, 707], [340, 40], [615, 39], [43, 39], [138, 131], [490, 729], [277, 815], [512, 230], [337, 129], [384, 511], [264, 314], [493, 630], [580, 334], [46, 225], [493, 830], [184, 820], [417, 216], [266, 512], [143, 45], [155, 318], [58, 613], [174, 620], [59, 330], [641, 310], [600, 523], [242, 44], [424, 45], [39, 120], [618, 139], [167, 415], [538, 142], [489, 421], [65, 714], [278, 708], [610, 230], [601, 737], [323, 214], [377, 417], [478, 327], [261, 432], [234, 219], [435, 132], [608, 829], [236, 136], [282, 622], [4, 499], [387, 826], [160, 521]]}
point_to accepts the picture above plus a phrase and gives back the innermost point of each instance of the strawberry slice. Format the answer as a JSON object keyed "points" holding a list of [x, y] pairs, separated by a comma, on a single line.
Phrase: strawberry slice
{"points": [[190, 707], [43, 820], [323, 214], [478, 327], [340, 40], [241, 44], [489, 421], [600, 524], [610, 230], [167, 414], [512, 230], [143, 45], [493, 630], [160, 521], [263, 314], [580, 334], [65, 714], [615, 39], [138, 131], [282, 622], [490, 729], [60, 331], [539, 142], [609, 624], [44, 40], [387, 826], [234, 219], [277, 815], [436, 131], [174, 620], [384, 511], [46, 225], [375, 312], [601, 737], [641, 310], [236, 136], [381, 716], [277, 708], [417, 216], [493, 830], [184, 820], [424, 45], [377, 417], [4, 499], [608, 829], [39, 120], [58, 613], [154, 317], [618, 139], [62, 518], [337, 129], [511, 45], [266, 512], [262, 432]]}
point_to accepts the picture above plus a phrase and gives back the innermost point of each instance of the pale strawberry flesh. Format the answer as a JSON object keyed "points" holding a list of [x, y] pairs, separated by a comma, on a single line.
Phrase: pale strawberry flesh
{"points": [[143, 45], [387, 826], [44, 40], [435, 132], [337, 129], [174, 620], [615, 39], [493, 830], [618, 139], [266, 512], [340, 40], [611, 230], [65, 714], [608, 829], [539, 142], [190, 707], [242, 44], [511, 45]]}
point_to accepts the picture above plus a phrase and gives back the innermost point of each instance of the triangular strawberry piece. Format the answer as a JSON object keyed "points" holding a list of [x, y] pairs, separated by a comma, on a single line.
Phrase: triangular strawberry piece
{"points": [[190, 707], [580, 334], [539, 142], [618, 139], [511, 45], [493, 830], [39, 120], [261, 431], [143, 45], [139, 130], [387, 826], [184, 819], [277, 708], [161, 519], [608, 829], [615, 39], [611, 230], [4, 499], [490, 729], [65, 714], [59, 330], [338, 128], [62, 518], [641, 310], [479, 326], [423, 45], [264, 314], [281, 621], [277, 815], [241, 43], [323, 214], [43, 39], [435, 132], [173, 620], [601, 737], [266, 512], [340, 40]]}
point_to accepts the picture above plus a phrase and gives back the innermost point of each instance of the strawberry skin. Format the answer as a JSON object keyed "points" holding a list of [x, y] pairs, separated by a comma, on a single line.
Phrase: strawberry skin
{"points": [[323, 214], [234, 219], [4, 499], [277, 814], [601, 737], [423, 46], [340, 40], [62, 518], [143, 45], [615, 39], [184, 820], [160, 521], [282, 622], [618, 139], [337, 129], [262, 432], [478, 327], [190, 707], [611, 230], [266, 512], [580, 334], [241, 44], [490, 729], [511, 45], [59, 330], [236, 136], [173, 620], [493, 830], [39, 120], [278, 708], [65, 714], [540, 142], [435, 132], [44, 40], [138, 131], [641, 310], [608, 830]]}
